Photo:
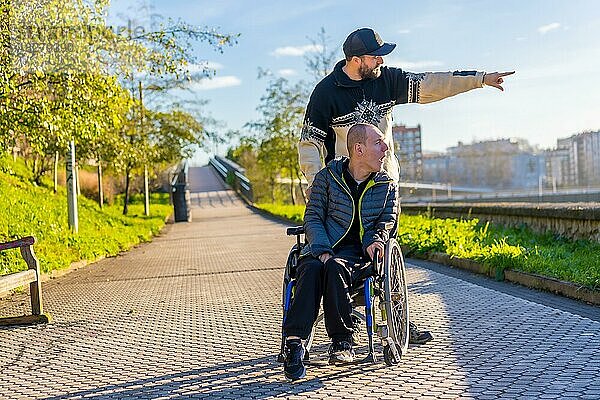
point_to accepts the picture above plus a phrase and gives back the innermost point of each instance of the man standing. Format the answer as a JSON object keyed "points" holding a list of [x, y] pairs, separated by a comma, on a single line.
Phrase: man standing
{"points": [[361, 90]]}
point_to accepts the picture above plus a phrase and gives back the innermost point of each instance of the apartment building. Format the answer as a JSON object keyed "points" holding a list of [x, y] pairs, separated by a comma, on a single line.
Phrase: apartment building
{"points": [[500, 164], [407, 147], [576, 160]]}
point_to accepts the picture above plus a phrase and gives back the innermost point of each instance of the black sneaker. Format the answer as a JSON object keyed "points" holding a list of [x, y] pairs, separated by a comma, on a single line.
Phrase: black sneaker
{"points": [[293, 365], [341, 352], [418, 337]]}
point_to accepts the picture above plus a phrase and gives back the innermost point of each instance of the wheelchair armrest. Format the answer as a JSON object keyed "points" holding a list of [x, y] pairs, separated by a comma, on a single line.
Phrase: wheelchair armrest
{"points": [[295, 230]]}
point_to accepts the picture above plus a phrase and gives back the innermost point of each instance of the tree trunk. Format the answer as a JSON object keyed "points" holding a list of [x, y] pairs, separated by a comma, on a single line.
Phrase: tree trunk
{"points": [[34, 169], [292, 191], [272, 184], [55, 172], [126, 202], [100, 191]]}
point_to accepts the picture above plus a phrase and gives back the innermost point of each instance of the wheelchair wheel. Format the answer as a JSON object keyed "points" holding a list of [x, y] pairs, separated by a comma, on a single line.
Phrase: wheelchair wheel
{"points": [[288, 274], [395, 296], [290, 269]]}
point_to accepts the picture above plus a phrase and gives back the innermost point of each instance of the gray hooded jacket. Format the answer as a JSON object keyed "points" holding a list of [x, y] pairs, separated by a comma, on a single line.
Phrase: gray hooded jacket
{"points": [[330, 211]]}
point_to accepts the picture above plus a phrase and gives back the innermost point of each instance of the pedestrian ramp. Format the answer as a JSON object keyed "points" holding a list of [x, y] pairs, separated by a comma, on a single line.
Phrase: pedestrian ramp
{"points": [[207, 190]]}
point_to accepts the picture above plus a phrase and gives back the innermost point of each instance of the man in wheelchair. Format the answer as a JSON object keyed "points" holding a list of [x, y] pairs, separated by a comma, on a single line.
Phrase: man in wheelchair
{"points": [[352, 207]]}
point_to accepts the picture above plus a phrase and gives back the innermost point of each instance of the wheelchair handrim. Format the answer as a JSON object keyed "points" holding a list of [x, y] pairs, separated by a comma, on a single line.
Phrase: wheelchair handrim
{"points": [[396, 296]]}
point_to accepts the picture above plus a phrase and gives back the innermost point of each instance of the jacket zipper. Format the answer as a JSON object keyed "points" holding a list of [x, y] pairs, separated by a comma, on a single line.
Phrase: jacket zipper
{"points": [[370, 184], [361, 228], [352, 201]]}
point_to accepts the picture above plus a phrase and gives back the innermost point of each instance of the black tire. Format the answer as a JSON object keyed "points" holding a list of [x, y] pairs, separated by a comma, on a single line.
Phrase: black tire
{"points": [[396, 295], [288, 274], [290, 269], [388, 357]]}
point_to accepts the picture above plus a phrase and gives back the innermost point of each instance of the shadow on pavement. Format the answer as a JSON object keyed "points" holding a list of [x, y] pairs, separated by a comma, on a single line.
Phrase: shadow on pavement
{"points": [[492, 343], [257, 378]]}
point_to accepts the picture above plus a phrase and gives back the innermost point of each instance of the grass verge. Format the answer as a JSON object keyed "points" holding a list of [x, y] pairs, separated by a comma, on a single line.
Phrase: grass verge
{"points": [[515, 248], [27, 209]]}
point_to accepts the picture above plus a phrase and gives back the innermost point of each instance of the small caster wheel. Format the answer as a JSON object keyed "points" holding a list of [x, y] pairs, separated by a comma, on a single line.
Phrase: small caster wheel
{"points": [[389, 357]]}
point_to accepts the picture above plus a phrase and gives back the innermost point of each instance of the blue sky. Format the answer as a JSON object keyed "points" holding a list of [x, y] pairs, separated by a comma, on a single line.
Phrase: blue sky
{"points": [[552, 45]]}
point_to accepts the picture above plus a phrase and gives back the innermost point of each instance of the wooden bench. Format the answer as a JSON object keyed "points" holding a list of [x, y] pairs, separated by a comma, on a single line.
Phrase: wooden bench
{"points": [[31, 277]]}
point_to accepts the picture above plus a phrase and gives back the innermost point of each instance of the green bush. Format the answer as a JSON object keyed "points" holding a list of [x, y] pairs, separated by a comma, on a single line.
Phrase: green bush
{"points": [[293, 213], [516, 248]]}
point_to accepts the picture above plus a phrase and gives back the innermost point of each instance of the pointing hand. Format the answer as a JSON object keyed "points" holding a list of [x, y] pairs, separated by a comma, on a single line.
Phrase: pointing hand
{"points": [[495, 79]]}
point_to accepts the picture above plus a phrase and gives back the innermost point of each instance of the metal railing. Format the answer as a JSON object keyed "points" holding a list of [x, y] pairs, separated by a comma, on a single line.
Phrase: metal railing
{"points": [[234, 176], [181, 173]]}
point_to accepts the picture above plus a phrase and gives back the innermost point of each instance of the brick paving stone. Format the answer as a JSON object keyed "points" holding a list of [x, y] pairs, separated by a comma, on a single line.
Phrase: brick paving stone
{"points": [[550, 396], [196, 314]]}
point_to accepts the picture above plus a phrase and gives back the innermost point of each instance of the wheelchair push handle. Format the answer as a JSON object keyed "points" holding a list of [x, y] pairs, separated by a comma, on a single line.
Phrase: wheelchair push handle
{"points": [[295, 230]]}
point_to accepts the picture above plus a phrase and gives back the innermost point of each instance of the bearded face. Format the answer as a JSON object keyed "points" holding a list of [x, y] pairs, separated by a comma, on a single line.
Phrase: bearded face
{"points": [[369, 67]]}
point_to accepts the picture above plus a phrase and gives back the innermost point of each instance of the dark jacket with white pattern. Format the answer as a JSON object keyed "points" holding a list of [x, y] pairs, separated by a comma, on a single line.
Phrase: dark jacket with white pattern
{"points": [[339, 102], [330, 209]]}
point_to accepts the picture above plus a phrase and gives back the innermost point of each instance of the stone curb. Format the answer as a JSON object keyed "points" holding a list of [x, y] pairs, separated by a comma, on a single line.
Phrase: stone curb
{"points": [[566, 289], [563, 288]]}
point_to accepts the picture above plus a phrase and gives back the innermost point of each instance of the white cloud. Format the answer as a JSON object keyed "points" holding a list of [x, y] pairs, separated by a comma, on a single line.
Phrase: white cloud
{"points": [[287, 72], [547, 28], [212, 65], [201, 66], [296, 51], [413, 65], [403, 31], [217, 82]]}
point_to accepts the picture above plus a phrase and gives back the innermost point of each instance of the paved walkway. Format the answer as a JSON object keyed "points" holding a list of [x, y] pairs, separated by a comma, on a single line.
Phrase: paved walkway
{"points": [[196, 314]]}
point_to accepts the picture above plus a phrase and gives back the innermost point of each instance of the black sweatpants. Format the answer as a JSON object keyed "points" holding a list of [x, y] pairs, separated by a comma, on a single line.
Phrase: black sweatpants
{"points": [[331, 281]]}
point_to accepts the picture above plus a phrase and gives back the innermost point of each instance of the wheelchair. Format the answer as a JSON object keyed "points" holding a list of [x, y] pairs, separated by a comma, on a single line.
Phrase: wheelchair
{"points": [[377, 286]]}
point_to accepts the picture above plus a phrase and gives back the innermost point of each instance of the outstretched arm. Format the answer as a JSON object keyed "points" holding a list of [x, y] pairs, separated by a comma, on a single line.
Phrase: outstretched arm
{"points": [[428, 87], [495, 79]]}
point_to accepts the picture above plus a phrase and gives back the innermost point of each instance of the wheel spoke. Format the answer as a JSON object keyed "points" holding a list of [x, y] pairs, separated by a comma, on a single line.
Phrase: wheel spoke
{"points": [[395, 296]]}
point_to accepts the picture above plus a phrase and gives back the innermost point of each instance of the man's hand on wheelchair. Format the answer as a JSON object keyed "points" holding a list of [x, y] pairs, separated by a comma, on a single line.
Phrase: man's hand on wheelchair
{"points": [[371, 250]]}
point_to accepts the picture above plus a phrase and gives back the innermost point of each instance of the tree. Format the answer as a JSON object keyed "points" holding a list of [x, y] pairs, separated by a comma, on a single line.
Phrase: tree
{"points": [[320, 63], [65, 72], [282, 109], [278, 129]]}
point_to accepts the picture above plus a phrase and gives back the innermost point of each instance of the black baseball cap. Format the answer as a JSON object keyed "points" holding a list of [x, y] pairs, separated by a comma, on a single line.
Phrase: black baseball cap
{"points": [[365, 41]]}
